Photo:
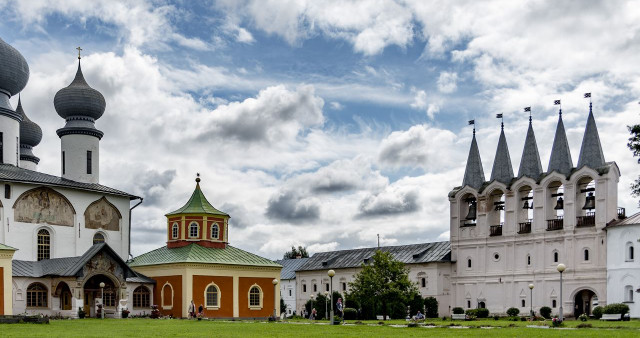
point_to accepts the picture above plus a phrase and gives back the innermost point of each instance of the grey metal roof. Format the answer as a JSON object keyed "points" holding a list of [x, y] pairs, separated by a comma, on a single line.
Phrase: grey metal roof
{"points": [[12, 173], [68, 266], [473, 173], [79, 99], [591, 153], [408, 254], [30, 132], [140, 278], [289, 267], [560, 159], [633, 219], [530, 165], [14, 70], [502, 169]]}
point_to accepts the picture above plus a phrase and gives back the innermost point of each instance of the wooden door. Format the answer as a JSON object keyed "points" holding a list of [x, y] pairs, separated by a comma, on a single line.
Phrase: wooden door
{"points": [[88, 301]]}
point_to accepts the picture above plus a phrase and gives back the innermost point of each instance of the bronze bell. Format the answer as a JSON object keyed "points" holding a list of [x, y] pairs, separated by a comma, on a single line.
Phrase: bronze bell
{"points": [[590, 202], [560, 204], [527, 205], [471, 215]]}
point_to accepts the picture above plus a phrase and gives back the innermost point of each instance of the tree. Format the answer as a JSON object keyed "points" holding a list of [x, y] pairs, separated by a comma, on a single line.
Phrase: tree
{"points": [[634, 146], [283, 306], [294, 253], [382, 283]]}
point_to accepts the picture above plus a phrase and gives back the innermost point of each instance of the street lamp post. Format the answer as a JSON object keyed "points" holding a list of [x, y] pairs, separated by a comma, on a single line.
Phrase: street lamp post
{"points": [[326, 297], [102, 300], [531, 288], [331, 273], [275, 299], [561, 267], [311, 309]]}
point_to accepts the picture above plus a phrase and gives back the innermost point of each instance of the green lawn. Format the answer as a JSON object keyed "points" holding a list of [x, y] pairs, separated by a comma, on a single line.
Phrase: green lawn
{"points": [[176, 327]]}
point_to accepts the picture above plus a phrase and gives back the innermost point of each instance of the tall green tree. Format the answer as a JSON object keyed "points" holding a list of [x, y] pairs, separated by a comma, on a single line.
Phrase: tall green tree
{"points": [[634, 145], [382, 283], [294, 253]]}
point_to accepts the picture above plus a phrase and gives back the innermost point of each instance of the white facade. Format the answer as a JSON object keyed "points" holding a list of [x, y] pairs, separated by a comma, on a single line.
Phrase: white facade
{"points": [[623, 265], [75, 164], [436, 275], [288, 294], [66, 241], [10, 129]]}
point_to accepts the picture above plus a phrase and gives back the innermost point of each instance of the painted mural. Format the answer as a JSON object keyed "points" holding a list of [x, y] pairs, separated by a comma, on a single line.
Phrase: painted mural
{"points": [[43, 205], [102, 215]]}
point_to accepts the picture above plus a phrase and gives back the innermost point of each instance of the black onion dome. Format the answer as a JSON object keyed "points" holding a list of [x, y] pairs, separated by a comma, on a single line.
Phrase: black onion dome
{"points": [[30, 132], [14, 70], [79, 99]]}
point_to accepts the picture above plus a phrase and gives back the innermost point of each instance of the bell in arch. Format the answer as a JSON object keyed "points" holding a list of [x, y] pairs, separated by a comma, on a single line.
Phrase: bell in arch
{"points": [[560, 204], [590, 202], [527, 205], [471, 215]]}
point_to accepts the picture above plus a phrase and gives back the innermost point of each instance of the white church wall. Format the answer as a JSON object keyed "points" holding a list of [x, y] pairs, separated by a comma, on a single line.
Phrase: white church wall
{"points": [[66, 241], [75, 147], [10, 129], [288, 294], [623, 272]]}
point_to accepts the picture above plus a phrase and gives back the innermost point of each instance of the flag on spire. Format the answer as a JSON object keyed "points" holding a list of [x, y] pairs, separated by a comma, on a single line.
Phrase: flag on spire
{"points": [[499, 116], [472, 122], [556, 102], [527, 109], [587, 95]]}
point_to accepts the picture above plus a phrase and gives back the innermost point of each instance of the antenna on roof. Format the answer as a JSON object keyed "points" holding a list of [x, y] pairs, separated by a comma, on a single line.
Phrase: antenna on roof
{"points": [[378, 241]]}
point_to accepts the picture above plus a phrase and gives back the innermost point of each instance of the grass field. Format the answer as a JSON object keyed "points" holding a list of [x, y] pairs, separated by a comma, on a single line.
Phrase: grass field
{"points": [[176, 327]]}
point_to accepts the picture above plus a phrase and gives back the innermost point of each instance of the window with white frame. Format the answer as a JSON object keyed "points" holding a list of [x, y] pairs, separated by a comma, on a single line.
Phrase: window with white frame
{"points": [[193, 230], [629, 252], [556, 257], [215, 231], [212, 296], [586, 254], [255, 297], [174, 230]]}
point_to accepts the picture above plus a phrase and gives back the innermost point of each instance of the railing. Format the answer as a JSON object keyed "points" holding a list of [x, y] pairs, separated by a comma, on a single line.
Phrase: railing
{"points": [[495, 230], [464, 224], [589, 220], [554, 224], [622, 214], [524, 227]]}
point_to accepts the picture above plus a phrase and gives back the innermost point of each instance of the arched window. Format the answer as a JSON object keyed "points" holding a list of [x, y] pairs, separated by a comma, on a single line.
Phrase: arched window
{"points": [[98, 238], [523, 303], [553, 303], [586, 254], [469, 263], [215, 231], [174, 230], [37, 296], [193, 230], [528, 259], [629, 251], [212, 296], [141, 297], [167, 296], [255, 297], [555, 257], [44, 244], [628, 293]]}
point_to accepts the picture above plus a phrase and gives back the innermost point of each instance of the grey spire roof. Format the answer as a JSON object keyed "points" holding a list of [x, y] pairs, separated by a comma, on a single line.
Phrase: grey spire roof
{"points": [[530, 165], [30, 136], [591, 151], [473, 174], [502, 169], [80, 105], [14, 74], [560, 159]]}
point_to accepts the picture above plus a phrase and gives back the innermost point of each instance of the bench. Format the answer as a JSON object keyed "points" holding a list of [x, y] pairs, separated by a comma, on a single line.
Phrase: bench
{"points": [[460, 316], [381, 317], [613, 316]]}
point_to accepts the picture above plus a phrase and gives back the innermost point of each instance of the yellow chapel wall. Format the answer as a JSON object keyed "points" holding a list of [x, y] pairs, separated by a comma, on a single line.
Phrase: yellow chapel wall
{"points": [[6, 286]]}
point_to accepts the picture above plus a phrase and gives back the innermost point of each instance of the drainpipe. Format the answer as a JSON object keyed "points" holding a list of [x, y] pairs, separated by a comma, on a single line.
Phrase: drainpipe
{"points": [[130, 210]]}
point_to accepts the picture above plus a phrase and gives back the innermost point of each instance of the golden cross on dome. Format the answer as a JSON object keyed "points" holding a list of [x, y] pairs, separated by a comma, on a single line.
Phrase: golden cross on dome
{"points": [[79, 50]]}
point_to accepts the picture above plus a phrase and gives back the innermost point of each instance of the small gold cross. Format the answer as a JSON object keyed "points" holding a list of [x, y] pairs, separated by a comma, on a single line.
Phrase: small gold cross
{"points": [[79, 50]]}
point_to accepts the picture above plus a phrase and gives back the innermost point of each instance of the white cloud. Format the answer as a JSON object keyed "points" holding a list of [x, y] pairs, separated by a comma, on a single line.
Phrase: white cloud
{"points": [[448, 82], [336, 105], [420, 146]]}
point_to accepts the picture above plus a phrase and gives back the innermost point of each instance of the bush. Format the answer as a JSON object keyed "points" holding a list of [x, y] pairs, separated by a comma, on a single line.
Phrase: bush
{"points": [[350, 313], [472, 312], [431, 307], [416, 303], [512, 312], [397, 310], [616, 308], [496, 317], [597, 312], [545, 312], [583, 317], [458, 310], [482, 313], [584, 326]]}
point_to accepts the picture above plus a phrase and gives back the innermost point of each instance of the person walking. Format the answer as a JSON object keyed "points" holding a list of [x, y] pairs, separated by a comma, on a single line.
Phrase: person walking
{"points": [[192, 310], [339, 308]]}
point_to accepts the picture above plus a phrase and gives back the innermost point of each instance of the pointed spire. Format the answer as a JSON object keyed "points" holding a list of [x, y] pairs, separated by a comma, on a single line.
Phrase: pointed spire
{"points": [[502, 169], [473, 174], [591, 150], [560, 159], [530, 165]]}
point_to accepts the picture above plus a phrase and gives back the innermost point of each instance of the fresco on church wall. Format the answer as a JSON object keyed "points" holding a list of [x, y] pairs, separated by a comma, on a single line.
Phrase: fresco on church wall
{"points": [[102, 215], [43, 205]]}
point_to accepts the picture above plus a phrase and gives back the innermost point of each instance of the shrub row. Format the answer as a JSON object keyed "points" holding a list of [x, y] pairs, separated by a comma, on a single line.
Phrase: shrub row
{"points": [[478, 313]]}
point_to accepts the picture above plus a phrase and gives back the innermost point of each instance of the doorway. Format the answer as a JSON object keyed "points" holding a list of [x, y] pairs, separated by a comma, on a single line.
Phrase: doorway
{"points": [[583, 302], [93, 295]]}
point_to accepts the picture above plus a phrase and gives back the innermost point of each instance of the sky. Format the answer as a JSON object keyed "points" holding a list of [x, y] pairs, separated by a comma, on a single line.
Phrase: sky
{"points": [[325, 123]]}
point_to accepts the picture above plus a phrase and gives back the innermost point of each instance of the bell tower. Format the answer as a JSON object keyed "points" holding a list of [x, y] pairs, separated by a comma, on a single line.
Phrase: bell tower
{"points": [[14, 74]]}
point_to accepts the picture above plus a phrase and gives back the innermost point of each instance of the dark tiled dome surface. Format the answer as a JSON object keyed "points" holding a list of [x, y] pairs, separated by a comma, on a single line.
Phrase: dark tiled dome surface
{"points": [[30, 132], [78, 99], [14, 70]]}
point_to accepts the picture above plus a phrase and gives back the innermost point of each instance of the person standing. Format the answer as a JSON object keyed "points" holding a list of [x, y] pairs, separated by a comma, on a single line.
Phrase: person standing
{"points": [[339, 308], [192, 310]]}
